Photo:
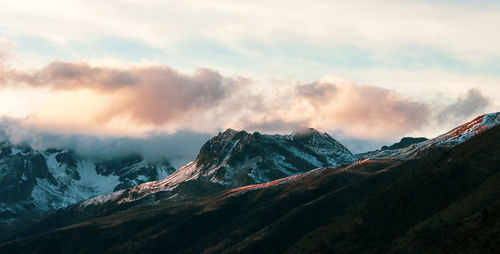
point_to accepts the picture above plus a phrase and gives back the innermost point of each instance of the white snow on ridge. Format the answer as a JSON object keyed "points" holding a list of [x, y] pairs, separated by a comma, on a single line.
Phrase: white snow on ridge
{"points": [[318, 146], [454, 137], [73, 185], [103, 198], [69, 190]]}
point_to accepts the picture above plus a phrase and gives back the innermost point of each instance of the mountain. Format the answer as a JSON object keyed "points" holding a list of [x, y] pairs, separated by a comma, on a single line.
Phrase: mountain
{"points": [[451, 138], [237, 158], [404, 142], [229, 160], [442, 198], [34, 182]]}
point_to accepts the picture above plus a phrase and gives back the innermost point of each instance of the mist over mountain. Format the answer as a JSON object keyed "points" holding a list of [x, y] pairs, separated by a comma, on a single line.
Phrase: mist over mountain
{"points": [[181, 126], [434, 196], [179, 148], [37, 182]]}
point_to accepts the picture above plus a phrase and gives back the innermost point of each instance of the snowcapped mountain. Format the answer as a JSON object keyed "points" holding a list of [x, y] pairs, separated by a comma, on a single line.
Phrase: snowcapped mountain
{"points": [[447, 199], [454, 137], [449, 139], [32, 182], [237, 158]]}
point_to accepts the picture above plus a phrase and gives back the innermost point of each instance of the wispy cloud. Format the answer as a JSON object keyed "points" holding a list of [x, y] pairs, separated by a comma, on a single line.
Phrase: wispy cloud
{"points": [[157, 96], [178, 148], [459, 28], [150, 95], [473, 102], [358, 110]]}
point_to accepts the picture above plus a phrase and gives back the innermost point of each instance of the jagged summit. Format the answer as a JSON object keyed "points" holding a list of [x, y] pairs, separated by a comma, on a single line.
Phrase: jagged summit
{"points": [[319, 211], [321, 143], [35, 181], [230, 131], [305, 132], [237, 158]]}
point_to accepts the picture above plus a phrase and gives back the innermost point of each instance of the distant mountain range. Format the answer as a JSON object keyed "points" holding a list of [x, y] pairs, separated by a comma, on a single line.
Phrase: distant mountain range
{"points": [[35, 182], [255, 193], [405, 142], [231, 159]]}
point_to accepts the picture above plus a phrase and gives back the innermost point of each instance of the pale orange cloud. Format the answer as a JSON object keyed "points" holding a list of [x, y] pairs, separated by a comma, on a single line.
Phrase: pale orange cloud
{"points": [[154, 95], [137, 99], [341, 105]]}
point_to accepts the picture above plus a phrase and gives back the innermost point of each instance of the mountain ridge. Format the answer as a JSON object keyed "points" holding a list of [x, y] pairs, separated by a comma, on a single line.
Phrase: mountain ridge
{"points": [[237, 158], [33, 182], [337, 210]]}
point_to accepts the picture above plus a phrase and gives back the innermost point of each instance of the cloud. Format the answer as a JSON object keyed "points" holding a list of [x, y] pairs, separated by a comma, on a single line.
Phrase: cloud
{"points": [[153, 95], [275, 125], [6, 50], [473, 102], [178, 148], [317, 92], [359, 110], [138, 99], [6, 53], [160, 96], [466, 27]]}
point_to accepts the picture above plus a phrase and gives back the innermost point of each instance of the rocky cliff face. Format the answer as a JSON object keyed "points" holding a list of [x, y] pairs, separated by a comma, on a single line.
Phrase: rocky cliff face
{"points": [[33, 182], [237, 158]]}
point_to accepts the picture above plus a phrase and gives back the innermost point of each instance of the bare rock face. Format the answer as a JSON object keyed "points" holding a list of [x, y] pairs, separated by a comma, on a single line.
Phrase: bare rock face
{"points": [[33, 182], [237, 158]]}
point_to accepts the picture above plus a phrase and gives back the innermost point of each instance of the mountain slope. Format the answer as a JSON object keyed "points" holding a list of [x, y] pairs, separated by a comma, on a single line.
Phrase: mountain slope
{"points": [[455, 136], [34, 182], [404, 142], [230, 159], [234, 159], [432, 203]]}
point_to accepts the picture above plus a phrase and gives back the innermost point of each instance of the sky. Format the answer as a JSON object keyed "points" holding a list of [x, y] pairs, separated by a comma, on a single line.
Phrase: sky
{"points": [[366, 72]]}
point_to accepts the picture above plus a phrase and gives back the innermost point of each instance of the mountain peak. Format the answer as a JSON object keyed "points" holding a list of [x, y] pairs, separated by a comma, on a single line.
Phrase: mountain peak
{"points": [[451, 138], [230, 131], [305, 132], [260, 157], [404, 142], [238, 158]]}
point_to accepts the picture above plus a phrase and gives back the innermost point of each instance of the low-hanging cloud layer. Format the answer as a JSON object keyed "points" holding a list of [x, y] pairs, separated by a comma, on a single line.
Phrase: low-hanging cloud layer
{"points": [[178, 148], [141, 99], [158, 96], [413, 69]]}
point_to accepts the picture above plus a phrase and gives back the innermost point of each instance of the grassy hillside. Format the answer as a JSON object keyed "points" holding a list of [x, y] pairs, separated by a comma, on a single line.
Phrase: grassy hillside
{"points": [[445, 202]]}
